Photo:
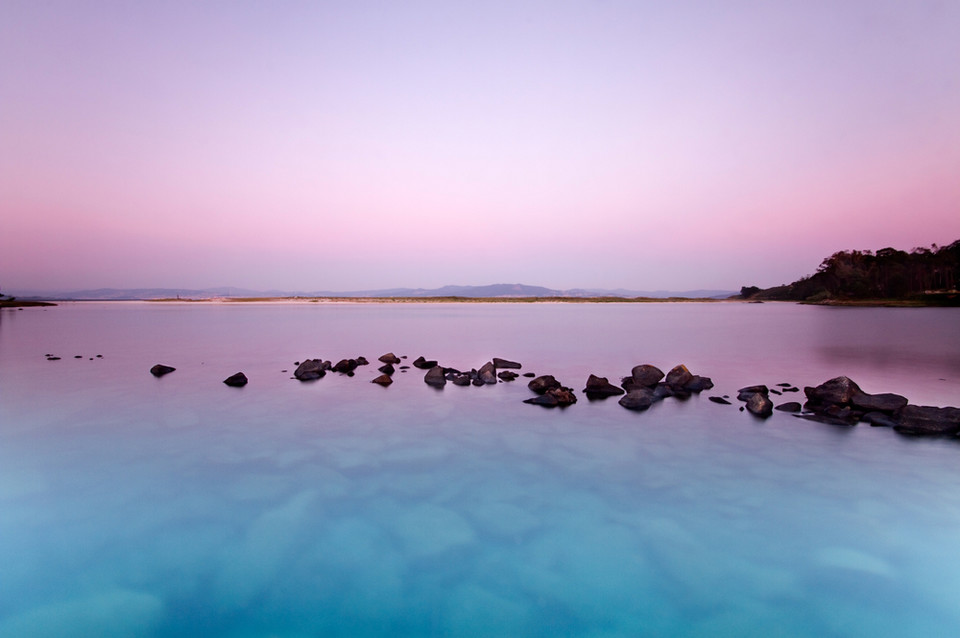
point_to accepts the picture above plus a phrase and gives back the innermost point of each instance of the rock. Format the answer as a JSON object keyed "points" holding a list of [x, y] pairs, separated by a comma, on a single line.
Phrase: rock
{"points": [[477, 382], [345, 366], [879, 419], [529, 374], [488, 373], [645, 376], [663, 391], [744, 394], [679, 376], [158, 370], [720, 400], [543, 383], [506, 364], [600, 388], [638, 399], [423, 364], [389, 358], [546, 400], [784, 385], [886, 402], [310, 369], [554, 397], [506, 375], [435, 377], [237, 380], [791, 406], [383, 379], [386, 369], [921, 420], [461, 379], [760, 405], [837, 391], [362, 361], [698, 384]]}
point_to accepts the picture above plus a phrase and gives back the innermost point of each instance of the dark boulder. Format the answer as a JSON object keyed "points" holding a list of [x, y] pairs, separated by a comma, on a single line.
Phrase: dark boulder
{"points": [[505, 364], [530, 374], [507, 375], [558, 396], [837, 391], [600, 388], [362, 361], [386, 369], [487, 373], [638, 399], [744, 394], [389, 358], [543, 383], [383, 379], [310, 369], [698, 384], [461, 379], [645, 375], [885, 402], [921, 420], [679, 376], [663, 391], [790, 406], [158, 370], [423, 364], [760, 405], [345, 366], [237, 380], [435, 377], [879, 420]]}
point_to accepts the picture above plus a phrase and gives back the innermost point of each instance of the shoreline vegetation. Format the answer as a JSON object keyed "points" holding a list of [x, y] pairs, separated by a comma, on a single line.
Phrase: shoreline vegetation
{"points": [[888, 277]]}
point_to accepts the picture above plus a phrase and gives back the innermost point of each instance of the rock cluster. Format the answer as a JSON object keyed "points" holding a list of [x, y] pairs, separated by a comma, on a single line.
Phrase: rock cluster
{"points": [[644, 386]]}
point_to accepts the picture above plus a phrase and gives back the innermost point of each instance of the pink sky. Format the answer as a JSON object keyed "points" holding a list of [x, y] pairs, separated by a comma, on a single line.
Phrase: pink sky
{"points": [[305, 146]]}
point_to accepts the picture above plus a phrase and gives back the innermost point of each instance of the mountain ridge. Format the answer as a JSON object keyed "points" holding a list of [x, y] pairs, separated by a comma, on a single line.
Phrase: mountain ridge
{"points": [[484, 291]]}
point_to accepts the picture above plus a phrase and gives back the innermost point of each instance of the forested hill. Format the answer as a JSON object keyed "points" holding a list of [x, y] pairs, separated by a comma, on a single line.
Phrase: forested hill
{"points": [[923, 275]]}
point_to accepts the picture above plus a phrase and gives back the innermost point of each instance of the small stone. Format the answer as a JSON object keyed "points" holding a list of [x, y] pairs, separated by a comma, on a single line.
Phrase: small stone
{"points": [[645, 375], [758, 404], [720, 400], [679, 376], [237, 380], [543, 383], [389, 358], [505, 363], [791, 406], [435, 377], [383, 380], [638, 399], [506, 375], [159, 370], [423, 364], [386, 369]]}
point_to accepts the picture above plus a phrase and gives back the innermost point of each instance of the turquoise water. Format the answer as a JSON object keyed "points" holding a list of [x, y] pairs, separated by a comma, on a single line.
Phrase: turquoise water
{"points": [[135, 506]]}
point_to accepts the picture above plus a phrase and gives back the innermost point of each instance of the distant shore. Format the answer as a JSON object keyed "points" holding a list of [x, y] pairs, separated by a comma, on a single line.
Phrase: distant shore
{"points": [[16, 303], [444, 300]]}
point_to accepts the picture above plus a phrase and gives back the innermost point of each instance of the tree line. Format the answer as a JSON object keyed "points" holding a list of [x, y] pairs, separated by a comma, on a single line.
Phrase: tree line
{"points": [[885, 274]]}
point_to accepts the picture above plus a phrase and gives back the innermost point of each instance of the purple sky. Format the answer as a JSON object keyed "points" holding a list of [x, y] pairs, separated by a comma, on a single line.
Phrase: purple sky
{"points": [[361, 145]]}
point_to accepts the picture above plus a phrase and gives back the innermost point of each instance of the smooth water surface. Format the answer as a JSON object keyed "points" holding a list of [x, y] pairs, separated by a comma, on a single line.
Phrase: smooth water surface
{"points": [[136, 506]]}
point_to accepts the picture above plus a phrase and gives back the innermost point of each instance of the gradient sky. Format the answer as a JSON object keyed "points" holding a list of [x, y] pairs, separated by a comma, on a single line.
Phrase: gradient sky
{"points": [[361, 145]]}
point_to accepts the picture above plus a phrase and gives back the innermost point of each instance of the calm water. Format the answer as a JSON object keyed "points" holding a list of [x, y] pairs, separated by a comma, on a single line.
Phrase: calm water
{"points": [[136, 506]]}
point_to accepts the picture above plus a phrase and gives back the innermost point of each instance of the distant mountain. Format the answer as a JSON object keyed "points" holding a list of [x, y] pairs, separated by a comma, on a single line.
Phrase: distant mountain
{"points": [[493, 290]]}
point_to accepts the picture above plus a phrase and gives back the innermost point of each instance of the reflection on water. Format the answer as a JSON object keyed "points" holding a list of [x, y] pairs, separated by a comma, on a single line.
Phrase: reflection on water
{"points": [[135, 506]]}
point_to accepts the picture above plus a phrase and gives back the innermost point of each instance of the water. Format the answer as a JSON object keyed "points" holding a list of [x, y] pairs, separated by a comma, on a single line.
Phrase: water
{"points": [[136, 506]]}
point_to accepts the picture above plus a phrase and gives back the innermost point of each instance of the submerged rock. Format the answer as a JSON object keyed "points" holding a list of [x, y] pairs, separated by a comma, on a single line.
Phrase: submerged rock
{"points": [[389, 358], [488, 373], [386, 369], [790, 406], [383, 379], [921, 420], [507, 375], [345, 366], [760, 405], [237, 380], [543, 383], [698, 384], [435, 377], [720, 400], [679, 376], [885, 402], [557, 396], [638, 399], [600, 388], [645, 375], [423, 364], [309, 370], [158, 370]]}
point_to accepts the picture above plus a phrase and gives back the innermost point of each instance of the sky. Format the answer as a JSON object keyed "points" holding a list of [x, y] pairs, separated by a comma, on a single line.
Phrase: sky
{"points": [[367, 145]]}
